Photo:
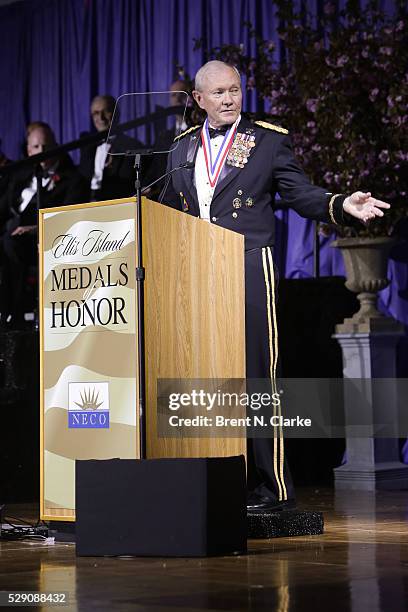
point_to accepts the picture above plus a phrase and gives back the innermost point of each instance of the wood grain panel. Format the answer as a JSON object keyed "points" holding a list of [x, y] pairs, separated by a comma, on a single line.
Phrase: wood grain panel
{"points": [[194, 313], [51, 514]]}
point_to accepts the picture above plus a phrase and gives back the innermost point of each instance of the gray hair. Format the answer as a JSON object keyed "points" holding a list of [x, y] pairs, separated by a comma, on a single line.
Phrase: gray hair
{"points": [[110, 101], [210, 66]]}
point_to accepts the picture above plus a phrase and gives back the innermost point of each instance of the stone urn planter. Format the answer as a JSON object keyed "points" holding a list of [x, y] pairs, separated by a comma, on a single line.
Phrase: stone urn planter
{"points": [[366, 260]]}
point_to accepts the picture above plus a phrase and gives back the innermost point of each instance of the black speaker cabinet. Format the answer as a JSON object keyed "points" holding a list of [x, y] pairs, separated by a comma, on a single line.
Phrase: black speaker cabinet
{"points": [[161, 507]]}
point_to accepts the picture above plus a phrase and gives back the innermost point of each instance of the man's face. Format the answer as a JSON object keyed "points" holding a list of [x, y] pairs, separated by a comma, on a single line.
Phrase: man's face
{"points": [[39, 141], [177, 98], [101, 114], [221, 96]]}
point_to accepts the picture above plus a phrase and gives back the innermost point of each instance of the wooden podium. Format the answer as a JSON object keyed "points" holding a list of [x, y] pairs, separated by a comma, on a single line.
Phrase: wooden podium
{"points": [[194, 329]]}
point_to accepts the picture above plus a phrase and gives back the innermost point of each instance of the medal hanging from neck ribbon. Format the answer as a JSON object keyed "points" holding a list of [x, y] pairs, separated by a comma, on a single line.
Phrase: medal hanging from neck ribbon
{"points": [[214, 169]]}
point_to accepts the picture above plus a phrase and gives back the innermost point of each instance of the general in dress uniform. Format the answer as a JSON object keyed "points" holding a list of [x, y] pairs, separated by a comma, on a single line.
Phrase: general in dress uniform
{"points": [[236, 168]]}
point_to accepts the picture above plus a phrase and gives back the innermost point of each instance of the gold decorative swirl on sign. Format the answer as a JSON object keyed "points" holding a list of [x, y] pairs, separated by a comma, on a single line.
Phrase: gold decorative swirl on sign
{"points": [[58, 224], [105, 354], [86, 443]]}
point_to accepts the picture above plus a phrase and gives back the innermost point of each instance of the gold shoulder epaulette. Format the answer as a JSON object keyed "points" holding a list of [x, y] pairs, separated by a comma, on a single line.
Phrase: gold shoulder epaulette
{"points": [[271, 126], [195, 127]]}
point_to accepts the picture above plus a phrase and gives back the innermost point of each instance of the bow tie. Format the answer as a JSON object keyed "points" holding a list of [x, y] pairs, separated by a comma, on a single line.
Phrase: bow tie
{"points": [[221, 131]]}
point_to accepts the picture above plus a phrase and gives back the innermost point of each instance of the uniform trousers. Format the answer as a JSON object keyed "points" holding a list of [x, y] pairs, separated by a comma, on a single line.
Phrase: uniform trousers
{"points": [[268, 471]]}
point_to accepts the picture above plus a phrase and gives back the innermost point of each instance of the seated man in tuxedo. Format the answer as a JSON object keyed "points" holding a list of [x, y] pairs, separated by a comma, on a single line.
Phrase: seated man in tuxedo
{"points": [[109, 176], [61, 184]]}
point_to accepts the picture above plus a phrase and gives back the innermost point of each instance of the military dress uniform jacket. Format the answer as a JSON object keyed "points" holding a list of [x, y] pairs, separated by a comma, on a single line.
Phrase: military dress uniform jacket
{"points": [[244, 198]]}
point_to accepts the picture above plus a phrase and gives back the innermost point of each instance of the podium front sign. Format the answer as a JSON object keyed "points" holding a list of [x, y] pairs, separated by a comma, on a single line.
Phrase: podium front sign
{"points": [[88, 344]]}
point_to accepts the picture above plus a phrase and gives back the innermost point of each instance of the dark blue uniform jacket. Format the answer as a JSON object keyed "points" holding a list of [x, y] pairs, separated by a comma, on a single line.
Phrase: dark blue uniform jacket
{"points": [[271, 169]]}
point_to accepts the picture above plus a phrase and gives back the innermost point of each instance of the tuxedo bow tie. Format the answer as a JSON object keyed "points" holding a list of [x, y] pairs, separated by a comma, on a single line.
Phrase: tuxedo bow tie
{"points": [[221, 131]]}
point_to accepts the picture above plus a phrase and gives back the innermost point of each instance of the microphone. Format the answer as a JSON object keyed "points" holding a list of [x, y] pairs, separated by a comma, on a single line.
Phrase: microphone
{"points": [[185, 166]]}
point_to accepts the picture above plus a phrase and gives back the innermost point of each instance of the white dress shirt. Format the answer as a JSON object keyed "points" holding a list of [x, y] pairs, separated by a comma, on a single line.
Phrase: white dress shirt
{"points": [[28, 193], [204, 190], [100, 160], [181, 125]]}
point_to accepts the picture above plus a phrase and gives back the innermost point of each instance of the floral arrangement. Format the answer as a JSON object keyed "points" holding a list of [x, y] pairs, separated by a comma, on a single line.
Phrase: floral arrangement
{"points": [[342, 92]]}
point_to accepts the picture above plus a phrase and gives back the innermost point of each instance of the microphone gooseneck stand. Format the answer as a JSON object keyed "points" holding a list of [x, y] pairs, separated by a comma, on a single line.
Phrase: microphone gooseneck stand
{"points": [[38, 172], [140, 277]]}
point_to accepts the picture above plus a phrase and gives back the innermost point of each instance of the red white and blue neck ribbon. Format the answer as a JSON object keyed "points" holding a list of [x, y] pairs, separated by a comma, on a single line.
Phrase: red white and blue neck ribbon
{"points": [[214, 169]]}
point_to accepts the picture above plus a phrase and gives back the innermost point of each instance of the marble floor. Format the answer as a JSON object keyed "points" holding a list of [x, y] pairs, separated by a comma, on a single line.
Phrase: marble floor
{"points": [[359, 564]]}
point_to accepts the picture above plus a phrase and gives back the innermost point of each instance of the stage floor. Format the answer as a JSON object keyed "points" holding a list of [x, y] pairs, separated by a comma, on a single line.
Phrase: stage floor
{"points": [[360, 563]]}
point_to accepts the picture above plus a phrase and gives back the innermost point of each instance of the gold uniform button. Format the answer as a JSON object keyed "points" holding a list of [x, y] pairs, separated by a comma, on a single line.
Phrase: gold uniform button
{"points": [[235, 215], [239, 192]]}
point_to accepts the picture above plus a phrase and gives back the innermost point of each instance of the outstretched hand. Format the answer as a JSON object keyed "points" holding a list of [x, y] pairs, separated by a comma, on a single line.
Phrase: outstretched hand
{"points": [[363, 206]]}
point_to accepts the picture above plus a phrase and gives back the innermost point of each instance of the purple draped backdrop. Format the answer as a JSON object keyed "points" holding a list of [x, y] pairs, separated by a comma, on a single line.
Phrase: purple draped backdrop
{"points": [[57, 54]]}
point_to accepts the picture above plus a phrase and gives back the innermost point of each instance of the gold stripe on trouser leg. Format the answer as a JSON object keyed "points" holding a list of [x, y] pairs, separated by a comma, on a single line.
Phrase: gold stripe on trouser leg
{"points": [[275, 364], [271, 359]]}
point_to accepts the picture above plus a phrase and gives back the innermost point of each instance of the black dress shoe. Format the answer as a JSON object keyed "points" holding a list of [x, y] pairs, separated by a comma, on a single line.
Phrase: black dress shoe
{"points": [[257, 502]]}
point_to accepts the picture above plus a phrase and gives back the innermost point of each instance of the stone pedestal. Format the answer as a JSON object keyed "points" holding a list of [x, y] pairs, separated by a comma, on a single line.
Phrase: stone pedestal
{"points": [[368, 353]]}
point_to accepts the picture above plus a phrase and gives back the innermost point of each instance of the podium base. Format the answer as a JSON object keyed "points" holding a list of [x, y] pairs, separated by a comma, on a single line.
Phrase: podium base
{"points": [[161, 507], [291, 523]]}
